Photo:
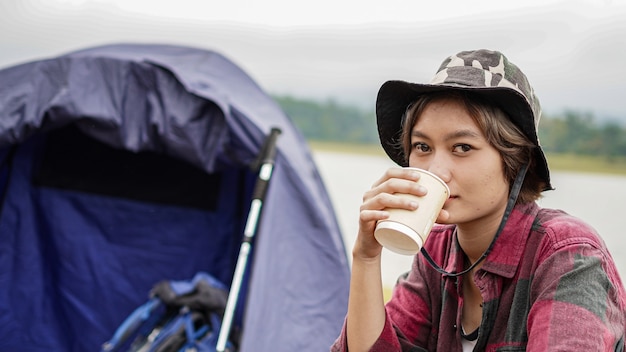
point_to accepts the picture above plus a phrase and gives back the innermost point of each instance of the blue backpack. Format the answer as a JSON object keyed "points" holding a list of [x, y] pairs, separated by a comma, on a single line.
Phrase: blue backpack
{"points": [[178, 316]]}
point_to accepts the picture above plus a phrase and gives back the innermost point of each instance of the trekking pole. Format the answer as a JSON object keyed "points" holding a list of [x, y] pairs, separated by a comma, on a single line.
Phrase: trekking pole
{"points": [[266, 159]]}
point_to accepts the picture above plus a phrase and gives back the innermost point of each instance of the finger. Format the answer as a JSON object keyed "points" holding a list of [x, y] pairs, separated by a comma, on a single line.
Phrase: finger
{"points": [[396, 186], [397, 172], [443, 217], [366, 215], [386, 200]]}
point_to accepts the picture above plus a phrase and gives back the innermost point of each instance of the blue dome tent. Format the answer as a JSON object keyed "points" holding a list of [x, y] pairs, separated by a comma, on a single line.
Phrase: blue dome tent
{"points": [[124, 165]]}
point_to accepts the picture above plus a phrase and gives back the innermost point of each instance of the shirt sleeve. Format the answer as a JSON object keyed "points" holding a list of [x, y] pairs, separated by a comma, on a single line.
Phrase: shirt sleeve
{"points": [[577, 296], [390, 339], [387, 341], [407, 317]]}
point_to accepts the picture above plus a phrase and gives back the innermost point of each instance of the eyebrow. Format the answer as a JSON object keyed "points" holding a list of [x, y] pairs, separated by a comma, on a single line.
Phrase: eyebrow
{"points": [[449, 136]]}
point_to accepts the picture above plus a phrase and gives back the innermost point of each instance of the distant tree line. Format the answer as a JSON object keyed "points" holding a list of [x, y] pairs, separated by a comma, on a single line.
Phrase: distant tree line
{"points": [[580, 133], [330, 121], [570, 132]]}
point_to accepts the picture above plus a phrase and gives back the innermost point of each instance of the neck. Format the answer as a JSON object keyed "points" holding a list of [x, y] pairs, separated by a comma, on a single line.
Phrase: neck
{"points": [[474, 238]]}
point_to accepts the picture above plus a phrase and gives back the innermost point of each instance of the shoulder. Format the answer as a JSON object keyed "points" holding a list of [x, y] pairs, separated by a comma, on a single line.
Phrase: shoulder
{"points": [[565, 240], [574, 264], [562, 229]]}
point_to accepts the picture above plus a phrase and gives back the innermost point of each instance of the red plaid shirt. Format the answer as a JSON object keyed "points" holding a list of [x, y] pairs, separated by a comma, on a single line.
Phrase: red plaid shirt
{"points": [[549, 284]]}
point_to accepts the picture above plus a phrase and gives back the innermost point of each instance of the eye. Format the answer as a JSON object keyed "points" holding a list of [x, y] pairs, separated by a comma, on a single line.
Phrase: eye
{"points": [[421, 147], [462, 148]]}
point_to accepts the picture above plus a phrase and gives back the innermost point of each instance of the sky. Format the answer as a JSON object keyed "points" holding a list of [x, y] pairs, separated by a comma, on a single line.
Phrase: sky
{"points": [[573, 51]]}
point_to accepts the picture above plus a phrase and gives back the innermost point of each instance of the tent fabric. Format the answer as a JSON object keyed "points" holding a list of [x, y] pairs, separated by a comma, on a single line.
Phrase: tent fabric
{"points": [[127, 164]]}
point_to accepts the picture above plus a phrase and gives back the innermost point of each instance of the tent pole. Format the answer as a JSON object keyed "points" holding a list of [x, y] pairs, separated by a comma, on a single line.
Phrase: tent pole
{"points": [[265, 172]]}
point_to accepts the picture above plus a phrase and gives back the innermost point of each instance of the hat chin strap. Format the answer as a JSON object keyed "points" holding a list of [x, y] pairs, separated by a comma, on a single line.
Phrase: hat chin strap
{"points": [[517, 185]]}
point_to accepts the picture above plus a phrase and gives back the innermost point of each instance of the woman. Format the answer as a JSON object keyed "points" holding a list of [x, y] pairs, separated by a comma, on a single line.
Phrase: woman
{"points": [[499, 273]]}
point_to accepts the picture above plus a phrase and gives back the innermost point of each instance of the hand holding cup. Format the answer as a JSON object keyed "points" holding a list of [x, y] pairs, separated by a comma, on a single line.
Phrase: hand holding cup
{"points": [[405, 231]]}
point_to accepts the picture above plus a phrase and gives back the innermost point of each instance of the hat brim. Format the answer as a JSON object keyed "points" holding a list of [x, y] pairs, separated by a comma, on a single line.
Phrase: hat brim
{"points": [[395, 96]]}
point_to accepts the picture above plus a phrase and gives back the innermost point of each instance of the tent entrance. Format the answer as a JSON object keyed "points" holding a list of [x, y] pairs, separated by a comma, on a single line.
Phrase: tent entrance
{"points": [[73, 161], [85, 227]]}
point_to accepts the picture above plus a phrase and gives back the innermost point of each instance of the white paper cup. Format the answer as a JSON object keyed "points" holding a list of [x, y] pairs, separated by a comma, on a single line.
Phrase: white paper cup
{"points": [[405, 231]]}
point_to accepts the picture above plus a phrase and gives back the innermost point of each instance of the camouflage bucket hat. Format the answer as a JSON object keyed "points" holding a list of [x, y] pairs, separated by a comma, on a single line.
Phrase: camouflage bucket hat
{"points": [[488, 74]]}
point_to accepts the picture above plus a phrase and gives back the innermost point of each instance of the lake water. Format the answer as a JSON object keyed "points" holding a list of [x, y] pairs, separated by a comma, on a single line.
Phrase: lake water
{"points": [[600, 200]]}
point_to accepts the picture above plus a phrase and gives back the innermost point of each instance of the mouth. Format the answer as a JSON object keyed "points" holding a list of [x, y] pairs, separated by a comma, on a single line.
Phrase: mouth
{"points": [[451, 199]]}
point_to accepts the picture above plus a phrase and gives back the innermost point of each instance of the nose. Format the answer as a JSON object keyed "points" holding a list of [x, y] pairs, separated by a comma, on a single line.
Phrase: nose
{"points": [[441, 166]]}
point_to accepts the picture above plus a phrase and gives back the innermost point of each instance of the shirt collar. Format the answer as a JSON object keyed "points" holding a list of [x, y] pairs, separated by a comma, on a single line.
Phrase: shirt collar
{"points": [[509, 247]]}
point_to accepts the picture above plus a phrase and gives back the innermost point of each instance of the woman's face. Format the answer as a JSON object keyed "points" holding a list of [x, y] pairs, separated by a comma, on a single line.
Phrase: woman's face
{"points": [[446, 141]]}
